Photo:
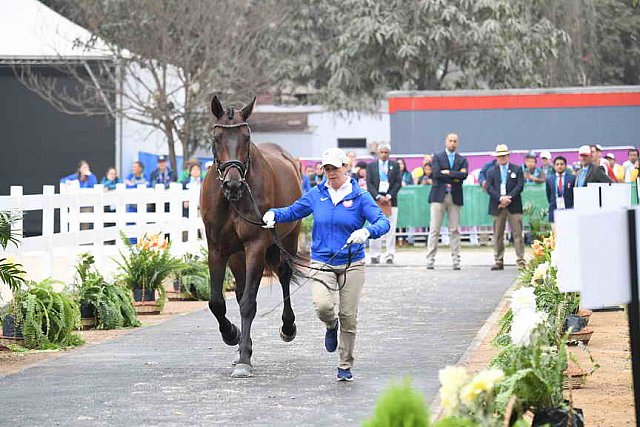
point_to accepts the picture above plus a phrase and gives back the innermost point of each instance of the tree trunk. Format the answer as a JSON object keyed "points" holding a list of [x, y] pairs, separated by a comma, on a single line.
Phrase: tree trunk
{"points": [[168, 132]]}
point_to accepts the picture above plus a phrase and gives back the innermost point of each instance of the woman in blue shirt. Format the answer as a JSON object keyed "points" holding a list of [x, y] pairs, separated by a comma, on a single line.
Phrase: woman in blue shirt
{"points": [[340, 209], [110, 179], [83, 175]]}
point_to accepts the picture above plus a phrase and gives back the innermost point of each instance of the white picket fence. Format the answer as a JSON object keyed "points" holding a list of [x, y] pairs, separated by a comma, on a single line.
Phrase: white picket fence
{"points": [[90, 220]]}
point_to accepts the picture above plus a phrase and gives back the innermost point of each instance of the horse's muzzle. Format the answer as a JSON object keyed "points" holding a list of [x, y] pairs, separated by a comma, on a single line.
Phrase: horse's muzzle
{"points": [[233, 190]]}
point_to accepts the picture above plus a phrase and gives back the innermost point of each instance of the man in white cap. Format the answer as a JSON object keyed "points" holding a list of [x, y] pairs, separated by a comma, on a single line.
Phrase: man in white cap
{"points": [[505, 182], [615, 171], [547, 167], [589, 172]]}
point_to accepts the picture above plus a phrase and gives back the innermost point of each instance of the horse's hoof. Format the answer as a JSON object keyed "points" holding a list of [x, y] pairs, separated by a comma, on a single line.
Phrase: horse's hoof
{"points": [[235, 339], [242, 370], [288, 338], [236, 359]]}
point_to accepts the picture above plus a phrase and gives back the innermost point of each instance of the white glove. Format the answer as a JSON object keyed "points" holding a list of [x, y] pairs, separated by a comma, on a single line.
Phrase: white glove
{"points": [[269, 219], [359, 236]]}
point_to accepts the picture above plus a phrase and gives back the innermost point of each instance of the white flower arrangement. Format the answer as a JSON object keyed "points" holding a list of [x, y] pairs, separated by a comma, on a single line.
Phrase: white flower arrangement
{"points": [[523, 299], [540, 273], [452, 378]]}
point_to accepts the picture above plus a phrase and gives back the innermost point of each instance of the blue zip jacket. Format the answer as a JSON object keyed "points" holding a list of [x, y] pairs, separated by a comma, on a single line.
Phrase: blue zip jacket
{"points": [[88, 183], [332, 225]]}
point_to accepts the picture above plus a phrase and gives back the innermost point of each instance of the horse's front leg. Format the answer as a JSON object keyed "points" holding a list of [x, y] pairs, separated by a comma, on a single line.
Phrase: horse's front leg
{"points": [[217, 267], [255, 256]]}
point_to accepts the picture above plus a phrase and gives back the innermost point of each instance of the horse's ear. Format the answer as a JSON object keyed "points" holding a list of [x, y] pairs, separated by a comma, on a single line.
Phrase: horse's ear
{"points": [[246, 111], [216, 107]]}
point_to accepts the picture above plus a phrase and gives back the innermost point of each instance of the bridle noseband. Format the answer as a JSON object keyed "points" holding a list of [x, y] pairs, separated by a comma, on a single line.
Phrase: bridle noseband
{"points": [[243, 167]]}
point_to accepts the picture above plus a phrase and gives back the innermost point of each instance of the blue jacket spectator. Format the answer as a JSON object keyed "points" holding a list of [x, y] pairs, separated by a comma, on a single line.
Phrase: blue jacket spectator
{"points": [[559, 187], [163, 174], [305, 184], [137, 176], [482, 175], [110, 179], [83, 175]]}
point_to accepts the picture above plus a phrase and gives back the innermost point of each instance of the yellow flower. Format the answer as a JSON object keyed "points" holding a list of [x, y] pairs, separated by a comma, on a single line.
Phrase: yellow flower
{"points": [[452, 377], [449, 402], [483, 382]]}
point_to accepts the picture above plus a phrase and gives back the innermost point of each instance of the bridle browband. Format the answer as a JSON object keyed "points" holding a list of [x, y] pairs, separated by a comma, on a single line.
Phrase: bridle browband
{"points": [[243, 167]]}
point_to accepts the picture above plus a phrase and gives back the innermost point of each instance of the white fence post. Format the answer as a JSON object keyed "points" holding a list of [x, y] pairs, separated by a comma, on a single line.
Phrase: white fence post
{"points": [[16, 196], [48, 220]]}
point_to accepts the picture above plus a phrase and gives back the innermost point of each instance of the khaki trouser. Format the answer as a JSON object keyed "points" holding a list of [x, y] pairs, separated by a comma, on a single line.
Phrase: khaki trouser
{"points": [[375, 245], [343, 304], [437, 214], [499, 223]]}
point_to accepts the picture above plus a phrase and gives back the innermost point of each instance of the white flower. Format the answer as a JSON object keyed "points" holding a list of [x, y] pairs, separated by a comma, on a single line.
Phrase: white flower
{"points": [[540, 272], [524, 322], [483, 382], [523, 299], [451, 379]]}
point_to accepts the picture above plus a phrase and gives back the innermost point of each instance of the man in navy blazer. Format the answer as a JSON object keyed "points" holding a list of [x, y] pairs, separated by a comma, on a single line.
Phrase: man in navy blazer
{"points": [[560, 187], [449, 171], [384, 180], [505, 182]]}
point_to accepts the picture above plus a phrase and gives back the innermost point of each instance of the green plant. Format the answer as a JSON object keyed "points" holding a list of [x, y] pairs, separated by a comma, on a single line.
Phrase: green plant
{"points": [[539, 226], [11, 273], [534, 372], [195, 279], [400, 406], [111, 302], [146, 264], [48, 318]]}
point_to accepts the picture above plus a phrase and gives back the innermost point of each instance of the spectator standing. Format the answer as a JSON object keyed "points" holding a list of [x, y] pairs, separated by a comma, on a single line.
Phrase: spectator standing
{"points": [[163, 174], [630, 164], [449, 172], [407, 179], [559, 187], [427, 175], [83, 175], [361, 175], [482, 175], [419, 171], [589, 171], [137, 176], [110, 179], [616, 171], [531, 172], [547, 167], [383, 183], [505, 182], [351, 163], [318, 175]]}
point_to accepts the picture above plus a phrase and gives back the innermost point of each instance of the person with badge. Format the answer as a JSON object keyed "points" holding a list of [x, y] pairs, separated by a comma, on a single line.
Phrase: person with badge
{"points": [[344, 217], [505, 182], [560, 187], [384, 180]]}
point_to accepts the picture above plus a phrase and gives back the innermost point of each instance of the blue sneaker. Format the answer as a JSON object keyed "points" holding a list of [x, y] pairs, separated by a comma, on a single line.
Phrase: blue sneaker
{"points": [[344, 375], [331, 339]]}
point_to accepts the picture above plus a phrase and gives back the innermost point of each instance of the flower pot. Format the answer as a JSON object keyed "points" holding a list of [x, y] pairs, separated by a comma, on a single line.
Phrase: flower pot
{"points": [[559, 417], [10, 329], [149, 295], [574, 378], [177, 285], [585, 314], [87, 310], [583, 336], [575, 322]]}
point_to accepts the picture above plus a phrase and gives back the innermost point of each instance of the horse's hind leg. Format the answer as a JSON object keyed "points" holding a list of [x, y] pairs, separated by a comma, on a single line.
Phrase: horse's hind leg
{"points": [[217, 267], [285, 273]]}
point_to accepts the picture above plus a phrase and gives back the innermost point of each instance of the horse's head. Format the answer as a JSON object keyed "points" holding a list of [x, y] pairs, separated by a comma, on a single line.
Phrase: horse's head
{"points": [[231, 147]]}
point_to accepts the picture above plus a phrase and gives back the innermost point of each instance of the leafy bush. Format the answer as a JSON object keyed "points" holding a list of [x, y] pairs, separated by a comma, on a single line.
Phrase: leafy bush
{"points": [[11, 273], [111, 302], [195, 278], [48, 318], [400, 406]]}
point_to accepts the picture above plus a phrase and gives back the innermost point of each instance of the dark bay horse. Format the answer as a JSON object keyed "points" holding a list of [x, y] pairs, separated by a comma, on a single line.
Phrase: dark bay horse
{"points": [[243, 172]]}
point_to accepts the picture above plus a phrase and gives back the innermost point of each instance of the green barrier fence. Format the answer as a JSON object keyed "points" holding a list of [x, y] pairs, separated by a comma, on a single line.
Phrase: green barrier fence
{"points": [[414, 207]]}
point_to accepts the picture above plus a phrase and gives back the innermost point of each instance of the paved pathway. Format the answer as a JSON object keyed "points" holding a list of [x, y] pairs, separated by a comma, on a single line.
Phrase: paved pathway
{"points": [[412, 322]]}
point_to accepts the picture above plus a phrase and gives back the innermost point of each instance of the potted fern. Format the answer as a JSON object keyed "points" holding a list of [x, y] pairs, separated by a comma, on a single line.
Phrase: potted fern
{"points": [[194, 280], [109, 304], [145, 265], [47, 314], [11, 273]]}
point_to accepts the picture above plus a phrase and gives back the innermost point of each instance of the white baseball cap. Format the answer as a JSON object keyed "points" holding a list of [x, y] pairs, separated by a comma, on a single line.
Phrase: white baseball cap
{"points": [[584, 150], [610, 156], [545, 154], [334, 157]]}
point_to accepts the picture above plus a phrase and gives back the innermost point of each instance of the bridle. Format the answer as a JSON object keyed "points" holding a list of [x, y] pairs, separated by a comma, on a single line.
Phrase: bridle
{"points": [[222, 168]]}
